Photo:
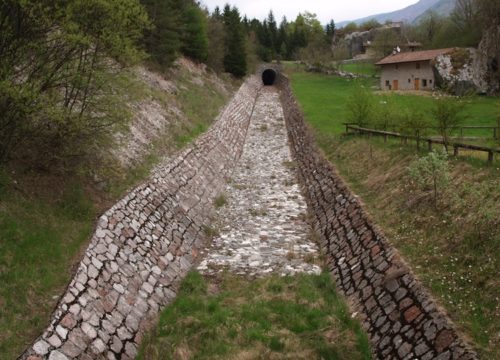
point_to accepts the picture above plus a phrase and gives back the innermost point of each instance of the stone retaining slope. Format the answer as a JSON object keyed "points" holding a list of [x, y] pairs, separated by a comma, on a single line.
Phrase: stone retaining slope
{"points": [[144, 245], [401, 318]]}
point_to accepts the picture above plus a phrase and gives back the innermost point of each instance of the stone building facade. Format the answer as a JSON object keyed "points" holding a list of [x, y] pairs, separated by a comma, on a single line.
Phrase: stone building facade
{"points": [[409, 70]]}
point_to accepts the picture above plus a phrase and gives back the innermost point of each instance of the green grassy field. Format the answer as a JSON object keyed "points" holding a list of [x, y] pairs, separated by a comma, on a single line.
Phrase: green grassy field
{"points": [[230, 317], [455, 249], [360, 68], [324, 99], [37, 243]]}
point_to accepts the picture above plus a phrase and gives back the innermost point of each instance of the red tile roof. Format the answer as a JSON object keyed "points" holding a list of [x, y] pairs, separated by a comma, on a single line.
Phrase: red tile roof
{"points": [[413, 56]]}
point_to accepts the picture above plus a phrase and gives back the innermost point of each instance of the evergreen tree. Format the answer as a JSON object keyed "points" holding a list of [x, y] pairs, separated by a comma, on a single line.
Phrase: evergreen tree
{"points": [[283, 39], [330, 30], [216, 41], [272, 29], [163, 42], [195, 41], [235, 52]]}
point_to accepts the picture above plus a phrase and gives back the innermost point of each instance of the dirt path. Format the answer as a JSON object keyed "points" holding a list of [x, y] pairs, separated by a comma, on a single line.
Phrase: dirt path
{"points": [[263, 225]]}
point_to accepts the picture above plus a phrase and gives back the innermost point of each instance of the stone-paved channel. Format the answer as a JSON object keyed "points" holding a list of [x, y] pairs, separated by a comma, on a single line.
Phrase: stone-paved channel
{"points": [[262, 225]]}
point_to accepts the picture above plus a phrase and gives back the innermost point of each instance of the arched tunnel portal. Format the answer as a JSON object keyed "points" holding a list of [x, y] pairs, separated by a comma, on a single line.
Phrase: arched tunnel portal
{"points": [[269, 77]]}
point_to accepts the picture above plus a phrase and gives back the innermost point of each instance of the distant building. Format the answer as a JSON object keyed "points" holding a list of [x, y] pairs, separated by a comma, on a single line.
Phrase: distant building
{"points": [[410, 70]]}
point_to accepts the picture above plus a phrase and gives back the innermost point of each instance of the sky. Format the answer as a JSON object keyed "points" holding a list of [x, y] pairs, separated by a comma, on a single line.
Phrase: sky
{"points": [[338, 10]]}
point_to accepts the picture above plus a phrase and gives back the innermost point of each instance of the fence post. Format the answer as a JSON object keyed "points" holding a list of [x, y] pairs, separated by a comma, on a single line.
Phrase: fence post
{"points": [[490, 156], [385, 138], [455, 150]]}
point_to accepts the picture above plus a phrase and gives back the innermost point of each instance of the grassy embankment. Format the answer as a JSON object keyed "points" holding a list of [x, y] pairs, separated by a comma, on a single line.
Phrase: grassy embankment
{"points": [[46, 219], [455, 250], [229, 317]]}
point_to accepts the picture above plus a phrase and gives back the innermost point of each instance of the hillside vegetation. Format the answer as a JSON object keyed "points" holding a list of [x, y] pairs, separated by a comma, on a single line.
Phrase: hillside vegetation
{"points": [[46, 218], [453, 245]]}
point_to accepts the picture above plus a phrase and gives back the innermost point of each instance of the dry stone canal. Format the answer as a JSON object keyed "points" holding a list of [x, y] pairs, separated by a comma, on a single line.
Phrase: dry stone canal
{"points": [[263, 226], [249, 165]]}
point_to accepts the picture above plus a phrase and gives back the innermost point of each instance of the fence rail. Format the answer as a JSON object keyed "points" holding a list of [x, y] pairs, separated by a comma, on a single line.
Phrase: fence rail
{"points": [[495, 129], [456, 146]]}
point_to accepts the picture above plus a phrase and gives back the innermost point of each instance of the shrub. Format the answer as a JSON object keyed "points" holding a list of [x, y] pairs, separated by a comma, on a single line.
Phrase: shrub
{"points": [[447, 115], [431, 172], [413, 123], [361, 106]]}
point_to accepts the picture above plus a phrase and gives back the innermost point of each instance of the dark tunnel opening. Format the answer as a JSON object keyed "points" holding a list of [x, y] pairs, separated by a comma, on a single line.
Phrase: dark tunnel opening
{"points": [[269, 77]]}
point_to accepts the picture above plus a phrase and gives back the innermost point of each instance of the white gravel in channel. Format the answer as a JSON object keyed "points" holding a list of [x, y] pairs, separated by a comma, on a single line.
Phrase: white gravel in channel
{"points": [[262, 227]]}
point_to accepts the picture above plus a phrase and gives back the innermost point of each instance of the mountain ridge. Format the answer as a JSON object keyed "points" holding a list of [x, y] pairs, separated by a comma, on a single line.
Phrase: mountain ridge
{"points": [[409, 14]]}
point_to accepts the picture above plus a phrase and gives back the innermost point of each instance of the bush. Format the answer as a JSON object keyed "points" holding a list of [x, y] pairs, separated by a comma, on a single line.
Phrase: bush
{"points": [[447, 113], [361, 107], [54, 84], [414, 123], [431, 172]]}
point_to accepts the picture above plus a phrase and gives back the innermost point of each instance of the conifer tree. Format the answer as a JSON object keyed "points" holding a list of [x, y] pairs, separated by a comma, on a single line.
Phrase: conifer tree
{"points": [[163, 42], [195, 41], [235, 52]]}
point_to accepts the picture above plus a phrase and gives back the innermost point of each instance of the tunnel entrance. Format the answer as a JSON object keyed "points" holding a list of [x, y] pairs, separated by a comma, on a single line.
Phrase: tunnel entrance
{"points": [[269, 77]]}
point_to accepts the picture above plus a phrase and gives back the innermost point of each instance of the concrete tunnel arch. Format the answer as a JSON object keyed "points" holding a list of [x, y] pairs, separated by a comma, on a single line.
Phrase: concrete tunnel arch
{"points": [[269, 77]]}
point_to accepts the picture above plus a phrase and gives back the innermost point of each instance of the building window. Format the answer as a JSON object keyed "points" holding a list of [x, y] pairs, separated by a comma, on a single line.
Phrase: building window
{"points": [[387, 83], [418, 65], [430, 81], [409, 81], [424, 82]]}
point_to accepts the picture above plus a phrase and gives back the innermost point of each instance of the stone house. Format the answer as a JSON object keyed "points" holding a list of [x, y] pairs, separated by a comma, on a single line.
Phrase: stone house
{"points": [[410, 70]]}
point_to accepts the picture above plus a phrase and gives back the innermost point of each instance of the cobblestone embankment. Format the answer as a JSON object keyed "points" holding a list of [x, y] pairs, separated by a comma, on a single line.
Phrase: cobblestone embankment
{"points": [[144, 245], [401, 318]]}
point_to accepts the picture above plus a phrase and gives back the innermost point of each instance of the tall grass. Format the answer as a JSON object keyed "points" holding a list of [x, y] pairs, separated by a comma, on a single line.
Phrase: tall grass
{"points": [[278, 317]]}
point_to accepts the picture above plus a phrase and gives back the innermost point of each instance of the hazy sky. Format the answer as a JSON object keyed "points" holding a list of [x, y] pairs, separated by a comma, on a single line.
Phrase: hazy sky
{"points": [[339, 10]]}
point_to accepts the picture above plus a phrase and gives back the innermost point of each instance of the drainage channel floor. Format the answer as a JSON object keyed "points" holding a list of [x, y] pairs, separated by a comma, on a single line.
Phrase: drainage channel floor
{"points": [[261, 224]]}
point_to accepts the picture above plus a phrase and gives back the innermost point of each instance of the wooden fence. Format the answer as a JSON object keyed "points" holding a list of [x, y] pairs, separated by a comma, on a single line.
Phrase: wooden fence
{"points": [[456, 146]]}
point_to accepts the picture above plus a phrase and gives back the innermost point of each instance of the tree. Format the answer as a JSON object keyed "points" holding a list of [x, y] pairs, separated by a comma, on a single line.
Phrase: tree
{"points": [[216, 42], [235, 52], [350, 28], [385, 41], [369, 25], [447, 115], [431, 172], [195, 40], [272, 29], [360, 106], [283, 39], [56, 62], [163, 41], [330, 30]]}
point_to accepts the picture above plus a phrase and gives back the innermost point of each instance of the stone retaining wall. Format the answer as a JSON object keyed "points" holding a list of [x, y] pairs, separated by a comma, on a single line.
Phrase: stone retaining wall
{"points": [[401, 318], [144, 245]]}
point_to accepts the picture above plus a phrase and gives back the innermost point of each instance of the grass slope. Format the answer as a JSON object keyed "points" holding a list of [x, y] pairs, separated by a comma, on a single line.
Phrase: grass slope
{"points": [[298, 317], [46, 219], [455, 250]]}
